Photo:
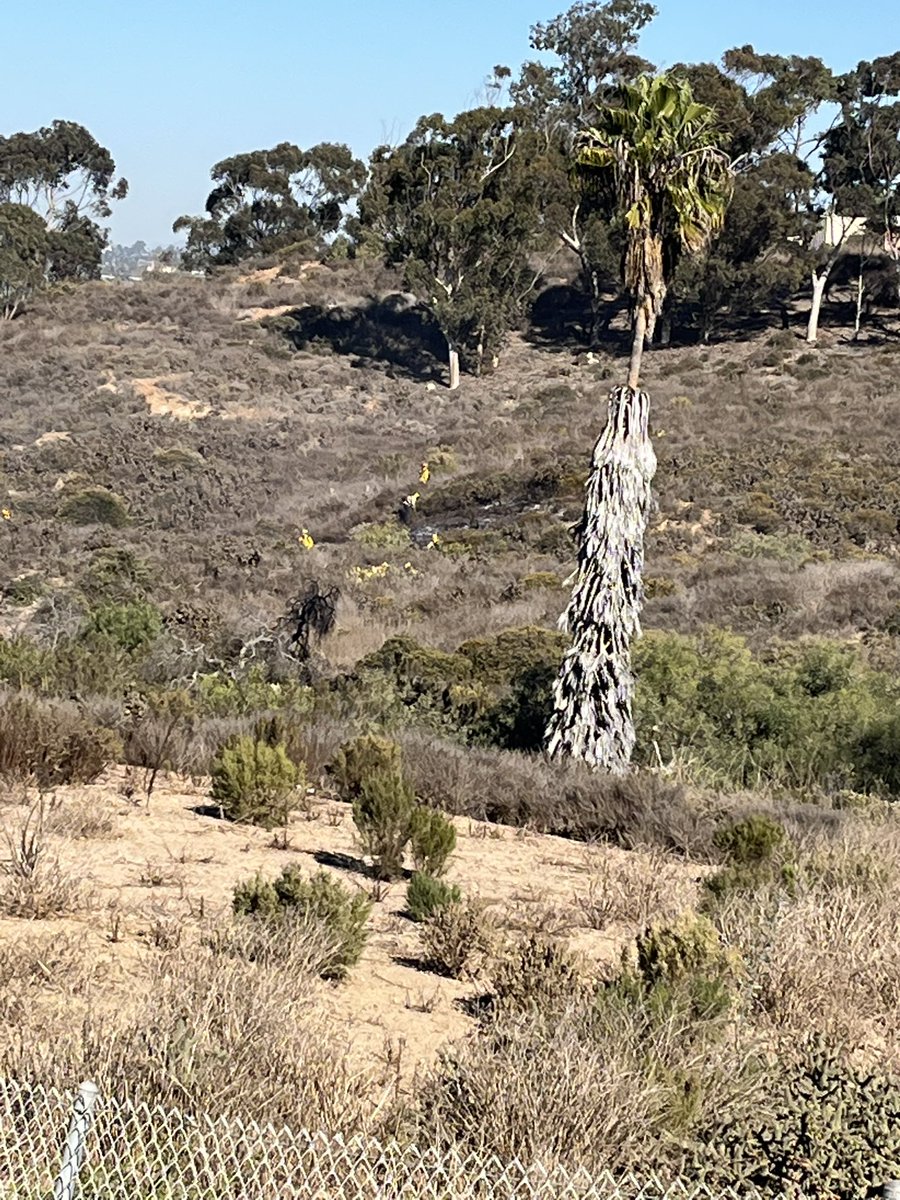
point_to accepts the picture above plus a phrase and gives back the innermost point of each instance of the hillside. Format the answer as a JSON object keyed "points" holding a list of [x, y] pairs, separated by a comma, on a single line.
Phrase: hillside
{"points": [[164, 450]]}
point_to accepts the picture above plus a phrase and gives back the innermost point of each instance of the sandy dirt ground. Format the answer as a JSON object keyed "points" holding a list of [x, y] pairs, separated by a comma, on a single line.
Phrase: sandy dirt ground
{"points": [[154, 871]]}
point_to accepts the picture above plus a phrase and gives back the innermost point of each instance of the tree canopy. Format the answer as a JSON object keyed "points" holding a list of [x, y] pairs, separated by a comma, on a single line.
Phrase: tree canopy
{"points": [[656, 157], [66, 180], [268, 200], [454, 206]]}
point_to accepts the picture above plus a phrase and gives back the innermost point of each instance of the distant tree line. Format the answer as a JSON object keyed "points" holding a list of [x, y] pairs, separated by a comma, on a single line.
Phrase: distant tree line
{"points": [[474, 208]]}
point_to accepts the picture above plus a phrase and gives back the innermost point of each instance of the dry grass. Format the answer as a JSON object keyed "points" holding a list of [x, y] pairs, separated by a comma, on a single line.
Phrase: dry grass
{"points": [[33, 883], [598, 1087], [643, 888], [215, 1032]]}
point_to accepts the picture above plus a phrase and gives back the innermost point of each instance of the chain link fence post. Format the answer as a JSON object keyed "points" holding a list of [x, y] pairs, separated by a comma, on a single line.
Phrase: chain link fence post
{"points": [[73, 1151]]}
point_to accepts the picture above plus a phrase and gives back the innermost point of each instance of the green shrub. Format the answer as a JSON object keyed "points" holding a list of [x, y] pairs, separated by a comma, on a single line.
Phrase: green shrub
{"points": [[473, 694], [751, 841], [433, 840], [426, 895], [538, 580], [129, 627], [116, 575], [756, 855], [798, 718], [255, 782], [680, 962], [25, 590], [178, 456], [361, 757], [220, 694], [342, 915], [95, 506], [389, 535], [383, 813], [878, 750], [508, 655]]}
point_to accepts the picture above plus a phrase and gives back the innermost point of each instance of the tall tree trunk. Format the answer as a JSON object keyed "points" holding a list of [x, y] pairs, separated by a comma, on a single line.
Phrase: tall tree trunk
{"points": [[453, 356], [593, 277], [637, 345], [664, 330], [819, 279], [592, 715], [860, 293]]}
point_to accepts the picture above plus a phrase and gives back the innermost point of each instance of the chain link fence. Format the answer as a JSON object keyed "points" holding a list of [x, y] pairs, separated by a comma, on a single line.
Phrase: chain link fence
{"points": [[144, 1153]]}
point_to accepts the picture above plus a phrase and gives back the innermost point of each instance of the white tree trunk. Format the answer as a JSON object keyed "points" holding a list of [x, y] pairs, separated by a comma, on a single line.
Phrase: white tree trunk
{"points": [[454, 369], [819, 279], [592, 715], [860, 293]]}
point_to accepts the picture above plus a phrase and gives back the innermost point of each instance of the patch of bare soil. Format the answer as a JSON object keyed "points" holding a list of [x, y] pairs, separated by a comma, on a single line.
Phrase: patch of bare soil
{"points": [[159, 871], [259, 314], [165, 403]]}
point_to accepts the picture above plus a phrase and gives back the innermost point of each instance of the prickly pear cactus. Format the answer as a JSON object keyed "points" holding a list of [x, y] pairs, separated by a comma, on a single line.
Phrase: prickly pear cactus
{"points": [[832, 1132]]}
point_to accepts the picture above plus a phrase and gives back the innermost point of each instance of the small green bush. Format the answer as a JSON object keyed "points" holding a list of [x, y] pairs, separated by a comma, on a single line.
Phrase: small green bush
{"points": [[178, 456], [756, 855], [539, 580], [433, 840], [129, 627], [389, 535], [682, 963], [322, 900], [426, 896], [25, 590], [383, 813], [115, 575], [255, 782], [751, 841], [361, 757], [220, 694], [95, 506]]}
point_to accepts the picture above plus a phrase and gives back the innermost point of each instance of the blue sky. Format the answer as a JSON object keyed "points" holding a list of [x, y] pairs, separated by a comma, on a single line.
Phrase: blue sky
{"points": [[171, 87]]}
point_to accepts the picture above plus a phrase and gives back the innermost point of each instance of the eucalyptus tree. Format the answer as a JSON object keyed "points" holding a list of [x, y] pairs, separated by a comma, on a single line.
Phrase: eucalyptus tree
{"points": [[788, 94], [454, 207], [65, 177], [266, 201], [861, 153], [657, 156], [24, 250]]}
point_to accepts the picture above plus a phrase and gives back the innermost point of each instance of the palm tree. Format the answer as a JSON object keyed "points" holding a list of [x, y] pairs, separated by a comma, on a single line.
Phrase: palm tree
{"points": [[657, 161]]}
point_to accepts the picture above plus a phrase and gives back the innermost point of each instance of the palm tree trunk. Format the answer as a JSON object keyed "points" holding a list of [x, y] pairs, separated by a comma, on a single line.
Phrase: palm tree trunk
{"points": [[637, 345], [592, 715]]}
